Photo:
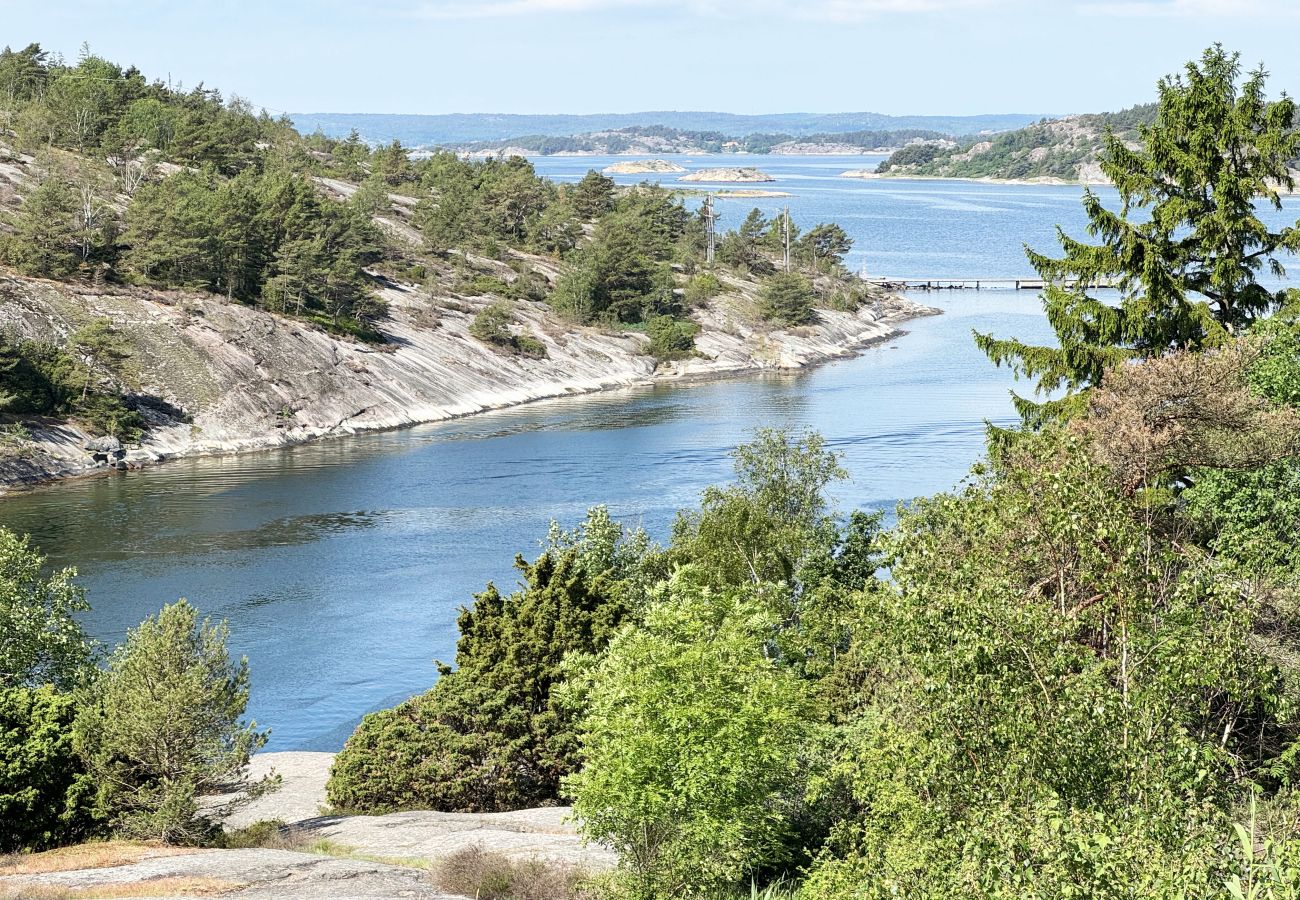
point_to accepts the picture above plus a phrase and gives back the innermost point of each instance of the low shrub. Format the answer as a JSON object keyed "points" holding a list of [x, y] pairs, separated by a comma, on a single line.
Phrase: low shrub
{"points": [[704, 286], [671, 338], [488, 875], [492, 324], [787, 299]]}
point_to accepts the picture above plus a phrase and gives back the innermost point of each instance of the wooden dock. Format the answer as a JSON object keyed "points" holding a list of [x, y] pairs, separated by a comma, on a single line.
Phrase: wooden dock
{"points": [[968, 284]]}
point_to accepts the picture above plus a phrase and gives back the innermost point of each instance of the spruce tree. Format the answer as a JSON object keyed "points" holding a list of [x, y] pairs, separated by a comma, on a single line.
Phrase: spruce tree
{"points": [[1185, 248]]}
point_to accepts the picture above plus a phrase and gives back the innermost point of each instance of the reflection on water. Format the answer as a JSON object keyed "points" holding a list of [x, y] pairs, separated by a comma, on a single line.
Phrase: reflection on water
{"points": [[340, 565]]}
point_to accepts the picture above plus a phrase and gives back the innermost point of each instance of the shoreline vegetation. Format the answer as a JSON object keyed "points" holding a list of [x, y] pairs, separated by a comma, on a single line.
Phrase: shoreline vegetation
{"points": [[181, 275]]}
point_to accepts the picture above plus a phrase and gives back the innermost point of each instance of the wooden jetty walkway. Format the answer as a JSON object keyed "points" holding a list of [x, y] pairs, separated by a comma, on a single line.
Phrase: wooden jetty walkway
{"points": [[974, 284]]}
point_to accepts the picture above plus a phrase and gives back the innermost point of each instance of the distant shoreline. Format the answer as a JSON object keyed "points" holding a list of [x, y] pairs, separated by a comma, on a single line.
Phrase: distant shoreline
{"points": [[1048, 181]]}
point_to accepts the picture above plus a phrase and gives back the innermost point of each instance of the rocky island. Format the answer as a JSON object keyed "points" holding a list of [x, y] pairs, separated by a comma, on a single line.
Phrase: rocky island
{"points": [[730, 175], [644, 167]]}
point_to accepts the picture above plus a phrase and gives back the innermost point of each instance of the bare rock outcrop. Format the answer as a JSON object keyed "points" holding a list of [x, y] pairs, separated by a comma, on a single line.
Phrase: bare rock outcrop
{"points": [[740, 175]]}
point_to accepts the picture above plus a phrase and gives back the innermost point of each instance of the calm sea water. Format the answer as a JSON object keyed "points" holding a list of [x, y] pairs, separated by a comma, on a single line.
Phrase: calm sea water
{"points": [[340, 566]]}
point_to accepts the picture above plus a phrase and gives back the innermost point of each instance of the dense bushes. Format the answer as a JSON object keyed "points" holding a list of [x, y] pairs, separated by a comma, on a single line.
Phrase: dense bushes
{"points": [[45, 793], [692, 742], [493, 734], [787, 299], [671, 338]]}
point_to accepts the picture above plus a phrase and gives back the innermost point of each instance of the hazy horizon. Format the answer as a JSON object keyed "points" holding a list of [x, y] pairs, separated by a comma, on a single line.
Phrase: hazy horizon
{"points": [[579, 57]]}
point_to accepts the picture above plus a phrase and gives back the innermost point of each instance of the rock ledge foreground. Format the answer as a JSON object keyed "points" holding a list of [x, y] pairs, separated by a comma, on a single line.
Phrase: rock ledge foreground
{"points": [[544, 833]]}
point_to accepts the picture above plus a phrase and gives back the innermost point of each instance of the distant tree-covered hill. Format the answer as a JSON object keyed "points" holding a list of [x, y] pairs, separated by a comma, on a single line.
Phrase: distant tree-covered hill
{"points": [[660, 139], [1063, 148], [461, 128]]}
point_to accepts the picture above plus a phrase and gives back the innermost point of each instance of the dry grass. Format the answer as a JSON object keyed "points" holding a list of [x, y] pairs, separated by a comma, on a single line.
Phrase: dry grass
{"points": [[488, 875], [157, 887], [95, 855]]}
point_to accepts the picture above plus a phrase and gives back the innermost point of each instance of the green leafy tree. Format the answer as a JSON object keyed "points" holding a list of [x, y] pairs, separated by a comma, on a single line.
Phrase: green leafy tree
{"points": [[1187, 245], [41, 641], [692, 741], [771, 520], [162, 726]]}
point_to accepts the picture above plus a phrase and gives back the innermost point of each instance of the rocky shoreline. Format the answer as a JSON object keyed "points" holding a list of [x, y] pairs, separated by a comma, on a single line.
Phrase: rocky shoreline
{"points": [[218, 378]]}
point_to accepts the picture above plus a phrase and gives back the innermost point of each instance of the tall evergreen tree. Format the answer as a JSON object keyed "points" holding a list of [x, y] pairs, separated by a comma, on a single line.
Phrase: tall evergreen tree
{"points": [[1185, 248]]}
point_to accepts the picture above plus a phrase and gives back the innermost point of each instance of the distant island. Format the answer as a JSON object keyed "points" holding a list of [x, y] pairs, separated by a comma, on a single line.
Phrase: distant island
{"points": [[1063, 150], [741, 175], [644, 167], [652, 140], [454, 130]]}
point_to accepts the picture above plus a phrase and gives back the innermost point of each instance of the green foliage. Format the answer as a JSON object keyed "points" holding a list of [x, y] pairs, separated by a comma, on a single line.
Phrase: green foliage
{"points": [[917, 154], [702, 288], [492, 326], [264, 236], [671, 338], [1041, 150], [41, 379], [44, 791], [162, 726], [750, 246], [593, 196], [491, 734], [622, 275], [1186, 246], [692, 741], [474, 203], [41, 641], [1054, 697], [825, 246], [773, 519], [1252, 514], [787, 299], [43, 241]]}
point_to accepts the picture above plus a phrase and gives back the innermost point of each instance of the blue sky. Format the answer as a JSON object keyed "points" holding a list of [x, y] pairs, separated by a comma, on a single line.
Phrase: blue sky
{"points": [[747, 56]]}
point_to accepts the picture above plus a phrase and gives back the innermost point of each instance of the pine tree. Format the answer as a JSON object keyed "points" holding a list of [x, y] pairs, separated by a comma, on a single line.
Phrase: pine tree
{"points": [[45, 239], [1186, 246], [163, 727]]}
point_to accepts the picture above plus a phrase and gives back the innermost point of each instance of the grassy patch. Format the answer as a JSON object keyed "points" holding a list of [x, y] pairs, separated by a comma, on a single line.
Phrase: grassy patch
{"points": [[155, 887], [94, 855]]}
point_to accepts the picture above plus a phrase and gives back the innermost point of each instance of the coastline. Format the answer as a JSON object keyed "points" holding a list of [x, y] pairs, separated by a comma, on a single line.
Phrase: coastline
{"points": [[1027, 182], [300, 385]]}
